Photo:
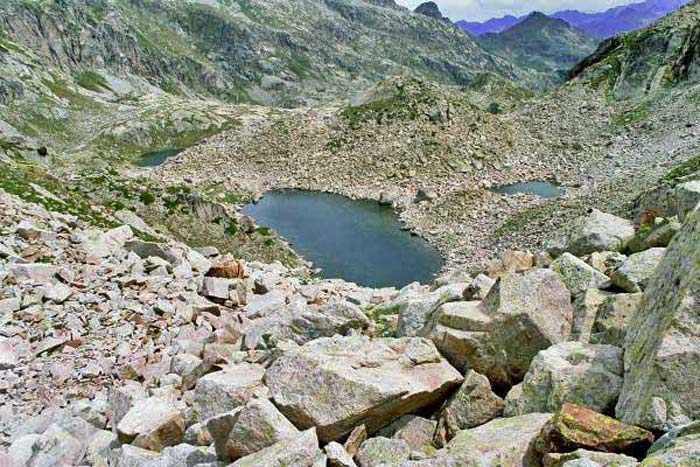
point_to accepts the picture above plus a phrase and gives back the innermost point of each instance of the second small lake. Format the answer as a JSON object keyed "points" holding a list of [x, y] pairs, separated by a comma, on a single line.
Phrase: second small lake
{"points": [[542, 189], [156, 158], [356, 240]]}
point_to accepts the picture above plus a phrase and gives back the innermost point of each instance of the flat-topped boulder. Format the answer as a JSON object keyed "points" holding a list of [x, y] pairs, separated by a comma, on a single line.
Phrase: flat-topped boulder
{"points": [[598, 231], [338, 383]]}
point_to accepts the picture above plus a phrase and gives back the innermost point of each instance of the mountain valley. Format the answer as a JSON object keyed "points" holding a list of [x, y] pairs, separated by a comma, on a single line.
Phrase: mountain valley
{"points": [[148, 317]]}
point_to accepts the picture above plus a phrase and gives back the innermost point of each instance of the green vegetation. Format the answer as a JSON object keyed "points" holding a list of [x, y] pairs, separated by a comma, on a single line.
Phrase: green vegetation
{"points": [[92, 81], [689, 167]]}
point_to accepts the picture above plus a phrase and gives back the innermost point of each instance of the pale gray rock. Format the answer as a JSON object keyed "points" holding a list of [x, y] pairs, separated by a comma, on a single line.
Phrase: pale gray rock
{"points": [[598, 231], [382, 451], [8, 356], [577, 275], [131, 219], [338, 456], [217, 287], [300, 323], [150, 249], [606, 262], [122, 399], [635, 273], [339, 383], [132, 456], [472, 405], [223, 391], [9, 305], [63, 443], [38, 273], [415, 312], [256, 426], [198, 435], [102, 244], [184, 455], [662, 345], [416, 431], [571, 372], [198, 262], [262, 305], [300, 450], [505, 442], [57, 293], [594, 458], [152, 423], [687, 197]]}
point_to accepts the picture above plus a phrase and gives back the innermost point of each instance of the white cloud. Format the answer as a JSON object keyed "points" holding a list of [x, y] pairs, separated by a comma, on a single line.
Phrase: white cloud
{"points": [[479, 10]]}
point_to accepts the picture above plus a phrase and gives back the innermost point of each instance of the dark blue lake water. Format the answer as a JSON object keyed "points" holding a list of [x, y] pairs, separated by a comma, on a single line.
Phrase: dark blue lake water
{"points": [[356, 240]]}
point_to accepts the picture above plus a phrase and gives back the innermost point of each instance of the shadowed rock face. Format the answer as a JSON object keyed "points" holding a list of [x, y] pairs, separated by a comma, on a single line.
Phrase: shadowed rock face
{"points": [[431, 10], [662, 346]]}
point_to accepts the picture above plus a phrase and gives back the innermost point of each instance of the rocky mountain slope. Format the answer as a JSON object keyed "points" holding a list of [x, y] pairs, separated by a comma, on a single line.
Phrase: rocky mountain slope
{"points": [[548, 46], [604, 24], [118, 78]]}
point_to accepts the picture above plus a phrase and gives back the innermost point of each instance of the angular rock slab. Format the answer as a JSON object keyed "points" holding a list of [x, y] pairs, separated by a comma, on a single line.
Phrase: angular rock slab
{"points": [[577, 275], [662, 346], [635, 273], [507, 442], [152, 424], [583, 374], [299, 451], [336, 384], [576, 427]]}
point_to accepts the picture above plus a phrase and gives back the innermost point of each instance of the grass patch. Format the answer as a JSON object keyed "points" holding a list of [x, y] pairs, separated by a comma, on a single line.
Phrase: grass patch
{"points": [[92, 81], [689, 167]]}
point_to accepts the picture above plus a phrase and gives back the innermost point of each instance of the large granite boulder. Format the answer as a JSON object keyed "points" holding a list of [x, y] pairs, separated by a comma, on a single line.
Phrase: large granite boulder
{"points": [[662, 346], [586, 458], [522, 314], [152, 424], [598, 231], [223, 391], [336, 384], [255, 426], [472, 405], [575, 427], [586, 307], [634, 274], [416, 431], [382, 451], [584, 374], [613, 318]]}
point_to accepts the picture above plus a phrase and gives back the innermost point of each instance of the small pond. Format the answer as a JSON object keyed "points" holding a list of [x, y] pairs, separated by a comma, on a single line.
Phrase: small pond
{"points": [[358, 241], [542, 189], [156, 158]]}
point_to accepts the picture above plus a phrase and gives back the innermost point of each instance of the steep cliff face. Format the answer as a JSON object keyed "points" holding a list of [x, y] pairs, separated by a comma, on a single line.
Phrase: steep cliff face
{"points": [[644, 62]]}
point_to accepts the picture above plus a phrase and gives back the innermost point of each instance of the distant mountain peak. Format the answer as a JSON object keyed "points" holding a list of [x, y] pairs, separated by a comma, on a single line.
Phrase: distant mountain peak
{"points": [[601, 25], [431, 10]]}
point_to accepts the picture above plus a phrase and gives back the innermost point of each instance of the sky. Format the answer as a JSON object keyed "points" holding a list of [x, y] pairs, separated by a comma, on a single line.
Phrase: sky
{"points": [[479, 10]]}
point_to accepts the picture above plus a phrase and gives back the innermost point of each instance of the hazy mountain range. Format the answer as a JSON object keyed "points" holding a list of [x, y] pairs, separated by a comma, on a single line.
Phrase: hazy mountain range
{"points": [[602, 25]]}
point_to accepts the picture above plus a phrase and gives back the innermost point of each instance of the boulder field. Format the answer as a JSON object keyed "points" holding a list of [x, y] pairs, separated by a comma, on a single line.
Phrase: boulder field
{"points": [[119, 351]]}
